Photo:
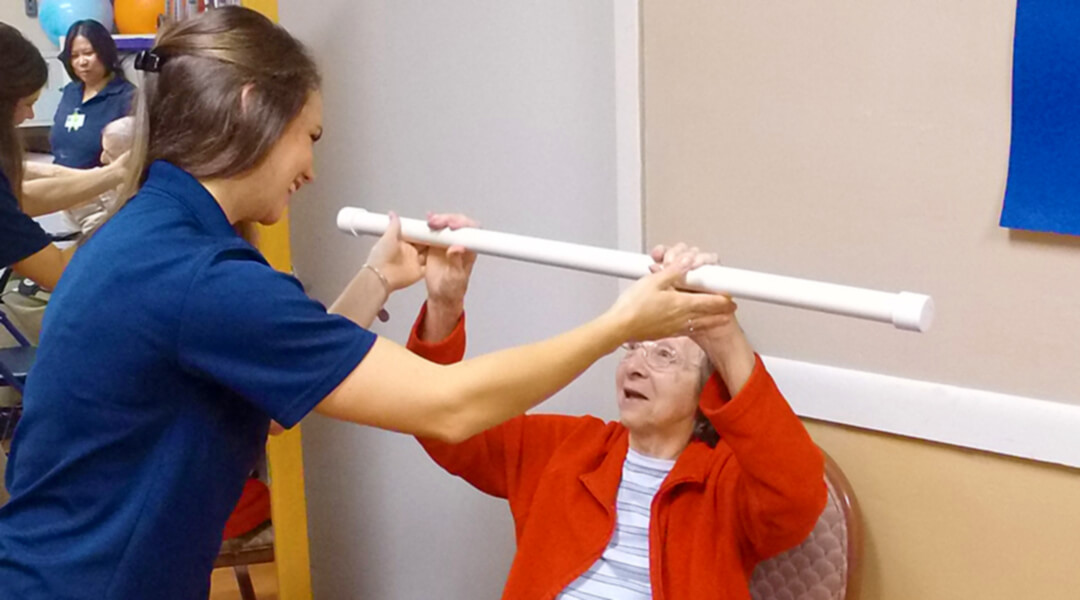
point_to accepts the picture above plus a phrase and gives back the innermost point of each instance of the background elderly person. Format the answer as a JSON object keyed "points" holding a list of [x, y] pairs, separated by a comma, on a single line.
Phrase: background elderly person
{"points": [[97, 95], [117, 139], [704, 475], [49, 188]]}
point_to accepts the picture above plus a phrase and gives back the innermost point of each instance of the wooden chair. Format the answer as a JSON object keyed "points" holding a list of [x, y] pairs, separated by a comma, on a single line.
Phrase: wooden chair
{"points": [[251, 535], [239, 558]]}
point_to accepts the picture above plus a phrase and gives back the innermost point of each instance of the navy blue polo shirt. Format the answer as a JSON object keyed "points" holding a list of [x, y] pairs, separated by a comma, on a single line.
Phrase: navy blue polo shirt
{"points": [[75, 137], [165, 351], [20, 236]]}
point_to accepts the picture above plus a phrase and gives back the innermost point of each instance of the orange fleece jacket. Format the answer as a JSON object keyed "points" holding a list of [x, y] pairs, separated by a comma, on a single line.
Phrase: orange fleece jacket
{"points": [[719, 512]]}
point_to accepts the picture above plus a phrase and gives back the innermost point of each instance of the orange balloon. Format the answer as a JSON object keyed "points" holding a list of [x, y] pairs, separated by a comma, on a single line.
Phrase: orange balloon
{"points": [[137, 16]]}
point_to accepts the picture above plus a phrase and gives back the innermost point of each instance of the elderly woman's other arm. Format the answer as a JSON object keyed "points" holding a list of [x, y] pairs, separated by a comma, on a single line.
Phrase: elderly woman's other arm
{"points": [[780, 490]]}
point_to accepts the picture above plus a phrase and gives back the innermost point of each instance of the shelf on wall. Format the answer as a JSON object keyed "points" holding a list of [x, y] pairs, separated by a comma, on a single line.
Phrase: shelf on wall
{"points": [[134, 43]]}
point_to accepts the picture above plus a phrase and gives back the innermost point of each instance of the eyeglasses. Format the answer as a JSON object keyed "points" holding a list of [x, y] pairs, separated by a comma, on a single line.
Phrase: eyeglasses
{"points": [[659, 356]]}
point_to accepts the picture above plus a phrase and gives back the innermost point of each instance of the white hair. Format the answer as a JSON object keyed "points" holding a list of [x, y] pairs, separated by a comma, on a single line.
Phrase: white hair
{"points": [[121, 135]]}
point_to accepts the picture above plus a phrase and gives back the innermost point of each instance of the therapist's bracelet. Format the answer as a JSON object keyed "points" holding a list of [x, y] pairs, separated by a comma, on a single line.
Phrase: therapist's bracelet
{"points": [[382, 278], [383, 315]]}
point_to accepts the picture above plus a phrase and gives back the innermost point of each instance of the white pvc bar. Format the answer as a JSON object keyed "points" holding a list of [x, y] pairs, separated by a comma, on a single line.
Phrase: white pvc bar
{"points": [[905, 310]]}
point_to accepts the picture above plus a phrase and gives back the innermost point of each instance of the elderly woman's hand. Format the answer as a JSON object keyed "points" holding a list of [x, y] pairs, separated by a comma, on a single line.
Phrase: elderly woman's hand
{"points": [[666, 255], [448, 269], [447, 277], [721, 338]]}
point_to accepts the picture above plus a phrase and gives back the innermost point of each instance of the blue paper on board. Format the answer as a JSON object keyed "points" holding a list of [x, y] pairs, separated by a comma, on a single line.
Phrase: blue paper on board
{"points": [[1043, 189]]}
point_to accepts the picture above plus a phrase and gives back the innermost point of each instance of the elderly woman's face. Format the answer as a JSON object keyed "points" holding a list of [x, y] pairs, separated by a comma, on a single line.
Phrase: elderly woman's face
{"points": [[657, 383], [85, 62]]}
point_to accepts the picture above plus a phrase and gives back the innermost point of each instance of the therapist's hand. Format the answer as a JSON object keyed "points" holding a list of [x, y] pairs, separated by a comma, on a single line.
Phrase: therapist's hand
{"points": [[399, 261], [722, 339], [713, 331], [121, 162]]}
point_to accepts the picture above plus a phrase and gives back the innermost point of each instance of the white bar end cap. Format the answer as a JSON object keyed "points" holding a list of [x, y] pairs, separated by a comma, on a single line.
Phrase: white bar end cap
{"points": [[913, 312]]}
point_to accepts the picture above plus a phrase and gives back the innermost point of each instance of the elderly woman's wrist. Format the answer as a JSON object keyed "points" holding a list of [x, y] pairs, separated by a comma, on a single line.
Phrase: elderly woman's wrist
{"points": [[730, 353], [446, 306], [440, 320], [730, 339]]}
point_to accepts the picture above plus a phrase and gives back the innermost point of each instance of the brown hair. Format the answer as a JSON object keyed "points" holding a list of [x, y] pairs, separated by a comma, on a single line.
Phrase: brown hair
{"points": [[229, 83], [22, 73]]}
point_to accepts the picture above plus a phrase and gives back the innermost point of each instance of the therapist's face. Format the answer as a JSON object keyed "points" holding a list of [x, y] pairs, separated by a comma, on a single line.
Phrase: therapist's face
{"points": [[24, 107], [290, 163]]}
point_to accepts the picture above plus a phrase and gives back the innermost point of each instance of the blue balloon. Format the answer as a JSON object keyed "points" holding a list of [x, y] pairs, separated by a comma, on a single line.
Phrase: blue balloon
{"points": [[57, 16]]}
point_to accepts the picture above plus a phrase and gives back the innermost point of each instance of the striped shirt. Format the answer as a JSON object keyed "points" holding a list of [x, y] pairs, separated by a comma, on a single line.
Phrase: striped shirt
{"points": [[622, 571]]}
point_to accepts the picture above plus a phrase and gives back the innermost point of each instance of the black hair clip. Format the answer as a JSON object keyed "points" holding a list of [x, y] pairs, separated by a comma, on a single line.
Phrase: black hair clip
{"points": [[149, 61]]}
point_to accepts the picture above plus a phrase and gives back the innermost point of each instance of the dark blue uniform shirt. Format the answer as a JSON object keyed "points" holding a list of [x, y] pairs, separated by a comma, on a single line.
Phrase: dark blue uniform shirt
{"points": [[75, 137], [20, 236], [166, 349]]}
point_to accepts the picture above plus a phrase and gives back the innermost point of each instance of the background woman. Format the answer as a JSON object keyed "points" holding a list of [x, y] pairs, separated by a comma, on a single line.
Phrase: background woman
{"points": [[97, 95]]}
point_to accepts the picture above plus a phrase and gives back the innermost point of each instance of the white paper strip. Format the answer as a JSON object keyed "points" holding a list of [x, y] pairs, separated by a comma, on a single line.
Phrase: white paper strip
{"points": [[905, 310]]}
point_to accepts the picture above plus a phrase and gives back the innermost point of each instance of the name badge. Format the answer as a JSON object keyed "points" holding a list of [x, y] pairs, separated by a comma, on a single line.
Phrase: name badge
{"points": [[74, 121]]}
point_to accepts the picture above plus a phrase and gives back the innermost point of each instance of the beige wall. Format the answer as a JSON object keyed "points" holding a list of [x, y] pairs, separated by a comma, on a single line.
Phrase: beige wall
{"points": [[945, 523], [863, 143], [867, 143]]}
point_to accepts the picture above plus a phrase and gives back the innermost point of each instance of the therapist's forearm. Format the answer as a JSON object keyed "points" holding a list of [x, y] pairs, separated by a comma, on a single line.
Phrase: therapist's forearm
{"points": [[46, 265], [36, 170], [362, 299], [47, 195]]}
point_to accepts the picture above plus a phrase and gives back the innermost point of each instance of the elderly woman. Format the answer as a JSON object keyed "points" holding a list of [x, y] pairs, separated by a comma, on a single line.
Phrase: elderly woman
{"points": [[97, 95], [707, 472]]}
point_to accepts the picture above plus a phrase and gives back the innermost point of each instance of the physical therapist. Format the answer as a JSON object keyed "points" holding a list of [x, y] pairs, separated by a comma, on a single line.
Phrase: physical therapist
{"points": [[171, 343]]}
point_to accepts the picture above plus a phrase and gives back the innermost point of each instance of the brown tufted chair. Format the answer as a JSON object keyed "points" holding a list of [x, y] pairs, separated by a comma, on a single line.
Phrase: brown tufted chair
{"points": [[826, 565]]}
